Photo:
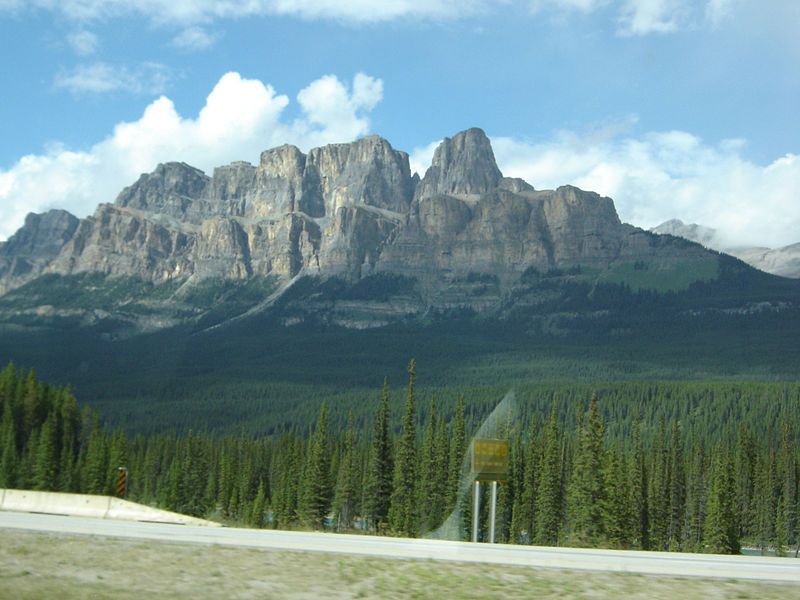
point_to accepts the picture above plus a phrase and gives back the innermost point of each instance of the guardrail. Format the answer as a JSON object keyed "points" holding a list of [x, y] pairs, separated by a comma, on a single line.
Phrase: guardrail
{"points": [[87, 505]]}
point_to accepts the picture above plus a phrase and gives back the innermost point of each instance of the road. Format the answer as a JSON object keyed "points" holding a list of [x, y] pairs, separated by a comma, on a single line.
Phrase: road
{"points": [[652, 563]]}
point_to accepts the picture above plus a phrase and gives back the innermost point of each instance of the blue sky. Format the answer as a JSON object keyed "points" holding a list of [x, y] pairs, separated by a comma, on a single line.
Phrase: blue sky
{"points": [[674, 108]]}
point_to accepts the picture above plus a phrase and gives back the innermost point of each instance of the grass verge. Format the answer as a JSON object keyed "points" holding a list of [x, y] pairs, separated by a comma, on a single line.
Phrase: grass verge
{"points": [[41, 565]]}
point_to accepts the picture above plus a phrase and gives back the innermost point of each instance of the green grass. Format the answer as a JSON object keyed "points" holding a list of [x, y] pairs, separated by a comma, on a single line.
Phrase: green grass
{"points": [[665, 277], [71, 567]]}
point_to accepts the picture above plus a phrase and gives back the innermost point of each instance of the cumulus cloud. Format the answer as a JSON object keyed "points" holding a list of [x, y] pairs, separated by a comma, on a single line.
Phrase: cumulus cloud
{"points": [[194, 38], [190, 12], [672, 174], [240, 118], [102, 78], [83, 42]]}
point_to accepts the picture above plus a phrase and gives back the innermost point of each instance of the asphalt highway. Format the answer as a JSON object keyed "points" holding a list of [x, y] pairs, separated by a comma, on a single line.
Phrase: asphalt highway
{"points": [[652, 563]]}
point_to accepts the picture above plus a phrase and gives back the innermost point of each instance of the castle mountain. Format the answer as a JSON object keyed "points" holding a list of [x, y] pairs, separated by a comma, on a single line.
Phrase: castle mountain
{"points": [[462, 236]]}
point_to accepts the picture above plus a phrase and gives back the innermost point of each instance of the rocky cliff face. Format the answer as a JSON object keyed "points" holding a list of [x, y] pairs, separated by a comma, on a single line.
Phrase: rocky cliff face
{"points": [[346, 210], [31, 249]]}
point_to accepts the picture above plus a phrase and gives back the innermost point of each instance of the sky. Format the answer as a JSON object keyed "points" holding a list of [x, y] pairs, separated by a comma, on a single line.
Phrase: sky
{"points": [[684, 109]]}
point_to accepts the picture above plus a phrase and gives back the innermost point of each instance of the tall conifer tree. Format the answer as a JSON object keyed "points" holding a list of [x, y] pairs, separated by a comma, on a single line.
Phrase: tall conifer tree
{"points": [[403, 511], [381, 467]]}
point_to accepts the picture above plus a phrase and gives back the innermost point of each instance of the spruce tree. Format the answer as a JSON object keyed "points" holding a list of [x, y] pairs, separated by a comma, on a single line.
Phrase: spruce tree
{"points": [[659, 490], [781, 537], [381, 468], [638, 491], [10, 458], [616, 503], [586, 490], [677, 490], [549, 497], [315, 499], [96, 465], [721, 531], [788, 475], [529, 484], [259, 509], [458, 450], [346, 493], [46, 467], [402, 511]]}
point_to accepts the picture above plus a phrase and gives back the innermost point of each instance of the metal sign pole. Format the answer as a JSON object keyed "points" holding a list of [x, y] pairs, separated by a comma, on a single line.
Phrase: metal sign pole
{"points": [[476, 509], [493, 511]]}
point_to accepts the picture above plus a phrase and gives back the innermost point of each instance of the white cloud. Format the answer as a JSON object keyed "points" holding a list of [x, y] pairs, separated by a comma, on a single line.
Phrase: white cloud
{"points": [[718, 10], [644, 17], [101, 78], [190, 12], [420, 158], [583, 6], [641, 17], [194, 38], [83, 42], [241, 117], [674, 174]]}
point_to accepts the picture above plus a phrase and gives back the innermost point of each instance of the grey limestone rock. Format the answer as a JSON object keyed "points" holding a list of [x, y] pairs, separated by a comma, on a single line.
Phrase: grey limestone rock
{"points": [[464, 233], [174, 189], [28, 252], [462, 165]]}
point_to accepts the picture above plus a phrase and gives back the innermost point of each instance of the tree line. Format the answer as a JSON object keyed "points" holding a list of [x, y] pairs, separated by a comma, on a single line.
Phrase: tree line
{"points": [[609, 474]]}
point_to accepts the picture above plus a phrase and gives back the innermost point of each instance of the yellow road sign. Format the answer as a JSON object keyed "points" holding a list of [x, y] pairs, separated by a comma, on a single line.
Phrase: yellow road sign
{"points": [[490, 459]]}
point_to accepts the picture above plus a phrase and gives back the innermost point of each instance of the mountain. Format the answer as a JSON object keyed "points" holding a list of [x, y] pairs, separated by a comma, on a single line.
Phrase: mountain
{"points": [[784, 261], [692, 231], [344, 233]]}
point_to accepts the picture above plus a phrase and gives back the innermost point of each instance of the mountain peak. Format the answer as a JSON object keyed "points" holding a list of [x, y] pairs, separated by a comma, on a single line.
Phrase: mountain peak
{"points": [[462, 165]]}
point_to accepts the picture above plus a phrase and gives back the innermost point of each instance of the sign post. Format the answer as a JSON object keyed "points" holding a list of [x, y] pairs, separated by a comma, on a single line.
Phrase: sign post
{"points": [[489, 463], [476, 511], [122, 482]]}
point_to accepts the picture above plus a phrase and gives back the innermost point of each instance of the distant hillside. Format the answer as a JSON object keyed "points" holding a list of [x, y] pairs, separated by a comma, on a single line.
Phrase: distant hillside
{"points": [[783, 261]]}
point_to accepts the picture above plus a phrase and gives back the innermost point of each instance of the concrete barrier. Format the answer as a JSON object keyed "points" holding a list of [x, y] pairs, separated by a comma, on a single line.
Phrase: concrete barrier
{"points": [[86, 505]]}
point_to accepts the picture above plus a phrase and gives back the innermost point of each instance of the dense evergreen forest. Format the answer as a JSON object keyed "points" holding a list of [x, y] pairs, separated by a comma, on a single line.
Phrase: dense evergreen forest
{"points": [[652, 465]]}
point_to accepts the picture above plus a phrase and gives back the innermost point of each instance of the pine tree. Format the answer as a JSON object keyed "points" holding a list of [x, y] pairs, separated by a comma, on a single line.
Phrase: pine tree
{"points": [[519, 516], [458, 450], [346, 493], [745, 478], [788, 475], [721, 531], [764, 501], [434, 479], [659, 491], [10, 458], [315, 499], [586, 492], [68, 477], [696, 501], [96, 467], [549, 498], [638, 491], [616, 503], [381, 468], [426, 479], [46, 467], [402, 511], [259, 509], [677, 490], [529, 484]]}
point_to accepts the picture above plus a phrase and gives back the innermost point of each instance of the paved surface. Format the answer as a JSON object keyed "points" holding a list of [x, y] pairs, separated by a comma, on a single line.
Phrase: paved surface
{"points": [[654, 563]]}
